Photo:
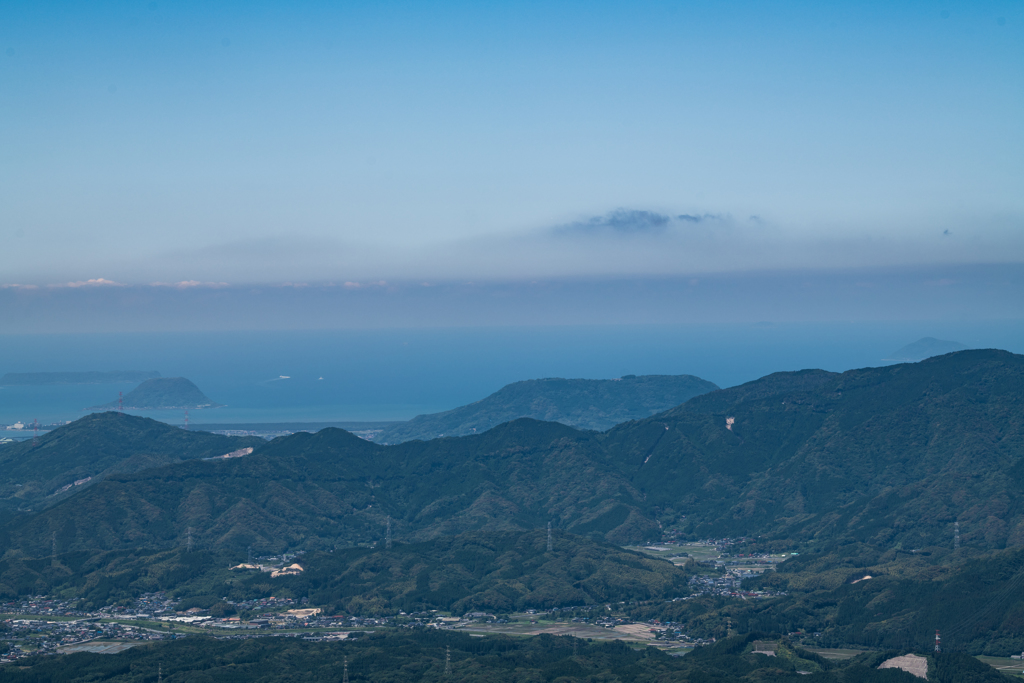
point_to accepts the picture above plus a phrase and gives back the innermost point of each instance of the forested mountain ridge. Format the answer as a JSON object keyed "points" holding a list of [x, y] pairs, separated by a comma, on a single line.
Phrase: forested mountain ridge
{"points": [[98, 445], [596, 404], [888, 456], [487, 570], [332, 488]]}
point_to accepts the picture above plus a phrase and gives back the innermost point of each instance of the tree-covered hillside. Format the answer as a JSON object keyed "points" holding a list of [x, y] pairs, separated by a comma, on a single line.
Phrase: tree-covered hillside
{"points": [[485, 571], [863, 472], [479, 570], [319, 491], [887, 456], [597, 404], [96, 446], [860, 596], [890, 456]]}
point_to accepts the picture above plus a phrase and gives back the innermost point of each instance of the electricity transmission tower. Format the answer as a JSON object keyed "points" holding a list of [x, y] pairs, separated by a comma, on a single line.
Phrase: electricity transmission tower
{"points": [[188, 543], [387, 539], [448, 661], [549, 537], [344, 675], [956, 535]]}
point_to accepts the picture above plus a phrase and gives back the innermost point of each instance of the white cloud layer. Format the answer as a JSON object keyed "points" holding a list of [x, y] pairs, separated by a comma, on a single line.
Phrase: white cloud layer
{"points": [[95, 282], [621, 242]]}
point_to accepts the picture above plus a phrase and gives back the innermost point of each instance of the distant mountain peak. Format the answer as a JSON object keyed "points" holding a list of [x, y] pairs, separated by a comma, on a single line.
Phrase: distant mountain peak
{"points": [[163, 393], [926, 347], [596, 404]]}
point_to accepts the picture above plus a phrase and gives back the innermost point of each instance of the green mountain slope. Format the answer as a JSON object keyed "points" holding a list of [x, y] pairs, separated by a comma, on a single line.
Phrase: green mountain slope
{"points": [[486, 571], [162, 393], [479, 570], [597, 404], [97, 446], [887, 456], [976, 602], [332, 488], [855, 470], [860, 596]]}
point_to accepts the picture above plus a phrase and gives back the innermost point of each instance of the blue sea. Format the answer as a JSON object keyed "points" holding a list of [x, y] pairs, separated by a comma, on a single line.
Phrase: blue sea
{"points": [[395, 374]]}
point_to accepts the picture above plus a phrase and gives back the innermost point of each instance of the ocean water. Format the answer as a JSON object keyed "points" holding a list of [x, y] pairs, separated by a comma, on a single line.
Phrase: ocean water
{"points": [[395, 374]]}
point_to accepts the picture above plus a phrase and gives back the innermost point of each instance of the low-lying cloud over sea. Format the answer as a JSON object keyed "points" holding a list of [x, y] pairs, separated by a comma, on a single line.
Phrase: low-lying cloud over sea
{"points": [[950, 293]]}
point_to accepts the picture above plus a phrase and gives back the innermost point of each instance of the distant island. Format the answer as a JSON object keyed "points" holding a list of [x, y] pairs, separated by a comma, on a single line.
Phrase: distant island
{"points": [[924, 348], [163, 393], [41, 378], [597, 404]]}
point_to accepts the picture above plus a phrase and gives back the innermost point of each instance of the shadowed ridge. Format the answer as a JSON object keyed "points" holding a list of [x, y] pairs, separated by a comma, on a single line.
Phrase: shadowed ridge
{"points": [[325, 439], [98, 445], [901, 449], [972, 357], [529, 429], [330, 448], [775, 384], [591, 404]]}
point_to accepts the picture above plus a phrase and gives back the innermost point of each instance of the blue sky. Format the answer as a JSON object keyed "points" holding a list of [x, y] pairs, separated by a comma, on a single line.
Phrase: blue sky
{"points": [[233, 144]]}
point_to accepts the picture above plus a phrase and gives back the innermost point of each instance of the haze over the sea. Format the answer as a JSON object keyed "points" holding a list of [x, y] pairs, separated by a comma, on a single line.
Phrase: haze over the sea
{"points": [[399, 373]]}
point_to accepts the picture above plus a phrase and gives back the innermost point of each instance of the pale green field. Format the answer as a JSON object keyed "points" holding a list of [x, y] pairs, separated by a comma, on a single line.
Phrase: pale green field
{"points": [[1014, 667]]}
